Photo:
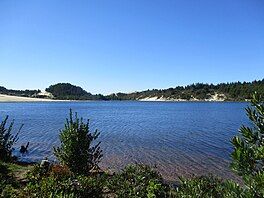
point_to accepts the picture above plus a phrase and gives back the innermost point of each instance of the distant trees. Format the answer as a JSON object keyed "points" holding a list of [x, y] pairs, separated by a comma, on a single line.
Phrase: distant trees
{"points": [[76, 150], [3, 89], [24, 93], [237, 91], [233, 91], [67, 91]]}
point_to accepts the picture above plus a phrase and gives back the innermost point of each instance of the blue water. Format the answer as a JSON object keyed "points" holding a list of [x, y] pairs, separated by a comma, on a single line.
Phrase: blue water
{"points": [[179, 138]]}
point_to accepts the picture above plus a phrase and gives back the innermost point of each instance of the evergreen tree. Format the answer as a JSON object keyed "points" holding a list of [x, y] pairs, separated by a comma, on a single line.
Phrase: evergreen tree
{"points": [[7, 140], [76, 150], [248, 154]]}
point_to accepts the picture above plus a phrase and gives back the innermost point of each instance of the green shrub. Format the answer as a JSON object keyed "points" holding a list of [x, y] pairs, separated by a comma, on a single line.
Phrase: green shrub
{"points": [[7, 181], [3, 176], [9, 192], [58, 181], [248, 154], [205, 187], [76, 150], [155, 189], [37, 173], [138, 181], [50, 186], [254, 185], [7, 140]]}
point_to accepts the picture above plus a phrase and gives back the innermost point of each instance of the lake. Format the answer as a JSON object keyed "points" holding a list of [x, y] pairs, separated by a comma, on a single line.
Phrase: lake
{"points": [[179, 138]]}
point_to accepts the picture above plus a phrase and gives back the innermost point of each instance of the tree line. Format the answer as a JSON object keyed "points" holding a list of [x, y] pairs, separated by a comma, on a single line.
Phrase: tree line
{"points": [[235, 91], [23, 93]]}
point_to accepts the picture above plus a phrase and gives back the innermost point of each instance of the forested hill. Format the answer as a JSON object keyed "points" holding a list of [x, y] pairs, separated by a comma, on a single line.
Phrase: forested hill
{"points": [[236, 91], [66, 91]]}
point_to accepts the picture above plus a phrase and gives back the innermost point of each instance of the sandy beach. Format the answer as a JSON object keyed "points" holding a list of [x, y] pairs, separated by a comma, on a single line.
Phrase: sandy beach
{"points": [[8, 98]]}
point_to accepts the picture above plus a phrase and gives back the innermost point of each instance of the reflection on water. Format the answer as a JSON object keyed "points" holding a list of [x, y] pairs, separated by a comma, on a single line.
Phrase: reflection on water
{"points": [[180, 138]]}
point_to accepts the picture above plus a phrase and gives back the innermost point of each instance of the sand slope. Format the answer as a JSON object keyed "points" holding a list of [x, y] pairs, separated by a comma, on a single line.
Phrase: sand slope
{"points": [[7, 98]]}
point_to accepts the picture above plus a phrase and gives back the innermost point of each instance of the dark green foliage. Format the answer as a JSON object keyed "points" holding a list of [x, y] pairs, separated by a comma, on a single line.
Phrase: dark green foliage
{"points": [[66, 91], [58, 181], [3, 176], [3, 89], [51, 186], [138, 181], [255, 184], [248, 154], [76, 150], [37, 173], [24, 93], [207, 187], [233, 91], [51, 183], [7, 140], [7, 181]]}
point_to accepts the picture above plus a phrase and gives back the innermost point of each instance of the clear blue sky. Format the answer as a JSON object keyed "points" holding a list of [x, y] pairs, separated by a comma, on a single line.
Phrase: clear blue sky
{"points": [[119, 45]]}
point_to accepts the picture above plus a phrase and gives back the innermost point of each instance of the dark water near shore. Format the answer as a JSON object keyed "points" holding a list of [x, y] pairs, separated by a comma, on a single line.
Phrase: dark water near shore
{"points": [[180, 138]]}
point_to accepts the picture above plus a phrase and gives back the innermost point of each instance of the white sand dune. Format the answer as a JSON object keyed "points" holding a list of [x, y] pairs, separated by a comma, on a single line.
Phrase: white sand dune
{"points": [[7, 98], [216, 97]]}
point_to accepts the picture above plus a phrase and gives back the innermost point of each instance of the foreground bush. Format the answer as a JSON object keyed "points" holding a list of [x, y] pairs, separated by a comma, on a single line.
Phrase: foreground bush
{"points": [[207, 187], [51, 186], [138, 181], [7, 181], [58, 181], [248, 154], [76, 150], [7, 140]]}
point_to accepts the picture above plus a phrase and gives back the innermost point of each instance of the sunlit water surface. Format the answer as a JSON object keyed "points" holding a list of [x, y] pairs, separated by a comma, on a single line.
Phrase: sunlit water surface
{"points": [[179, 138]]}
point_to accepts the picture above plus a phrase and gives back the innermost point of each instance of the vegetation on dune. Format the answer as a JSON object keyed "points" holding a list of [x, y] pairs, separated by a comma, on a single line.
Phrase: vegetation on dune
{"points": [[75, 175], [228, 91], [236, 91], [23, 93]]}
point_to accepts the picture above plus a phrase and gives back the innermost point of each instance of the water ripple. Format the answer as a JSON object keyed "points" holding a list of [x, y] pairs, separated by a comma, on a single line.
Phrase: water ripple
{"points": [[180, 139]]}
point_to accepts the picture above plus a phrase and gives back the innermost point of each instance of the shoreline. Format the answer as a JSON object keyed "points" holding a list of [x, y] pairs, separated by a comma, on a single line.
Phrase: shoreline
{"points": [[8, 98]]}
